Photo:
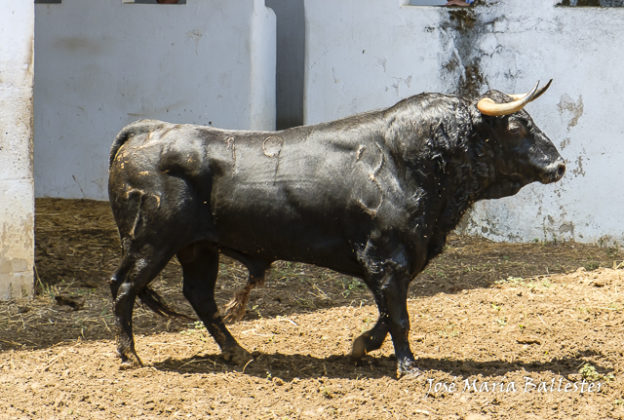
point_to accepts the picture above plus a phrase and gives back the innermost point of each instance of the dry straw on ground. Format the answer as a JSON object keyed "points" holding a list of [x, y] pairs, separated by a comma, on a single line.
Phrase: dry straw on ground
{"points": [[484, 316]]}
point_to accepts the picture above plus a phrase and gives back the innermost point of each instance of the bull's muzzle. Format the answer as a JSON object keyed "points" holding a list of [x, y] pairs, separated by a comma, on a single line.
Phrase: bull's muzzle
{"points": [[553, 172]]}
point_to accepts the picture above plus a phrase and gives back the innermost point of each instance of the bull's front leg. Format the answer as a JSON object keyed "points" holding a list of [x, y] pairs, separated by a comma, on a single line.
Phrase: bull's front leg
{"points": [[389, 281], [373, 338], [394, 294]]}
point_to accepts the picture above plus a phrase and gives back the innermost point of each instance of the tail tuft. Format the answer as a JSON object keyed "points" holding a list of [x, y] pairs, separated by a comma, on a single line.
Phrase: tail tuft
{"points": [[235, 309]]}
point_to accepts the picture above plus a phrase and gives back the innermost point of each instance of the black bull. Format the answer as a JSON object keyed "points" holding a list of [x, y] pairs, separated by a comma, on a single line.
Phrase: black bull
{"points": [[372, 196]]}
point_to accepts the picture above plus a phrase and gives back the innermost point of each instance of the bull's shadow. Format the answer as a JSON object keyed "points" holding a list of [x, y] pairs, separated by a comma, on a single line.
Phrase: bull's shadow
{"points": [[288, 367]]}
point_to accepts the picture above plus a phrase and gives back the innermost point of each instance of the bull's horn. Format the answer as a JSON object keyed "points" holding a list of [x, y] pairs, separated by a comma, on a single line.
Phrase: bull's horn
{"points": [[541, 91], [535, 96], [488, 107]]}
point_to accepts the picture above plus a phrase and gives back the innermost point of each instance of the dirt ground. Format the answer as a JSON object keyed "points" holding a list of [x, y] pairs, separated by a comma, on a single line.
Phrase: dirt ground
{"points": [[499, 331]]}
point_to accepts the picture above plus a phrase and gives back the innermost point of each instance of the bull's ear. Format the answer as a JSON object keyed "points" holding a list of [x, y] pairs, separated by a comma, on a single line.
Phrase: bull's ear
{"points": [[488, 106]]}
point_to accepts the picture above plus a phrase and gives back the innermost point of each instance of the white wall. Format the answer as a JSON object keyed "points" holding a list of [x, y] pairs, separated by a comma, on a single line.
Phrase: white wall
{"points": [[102, 64], [16, 183], [367, 54]]}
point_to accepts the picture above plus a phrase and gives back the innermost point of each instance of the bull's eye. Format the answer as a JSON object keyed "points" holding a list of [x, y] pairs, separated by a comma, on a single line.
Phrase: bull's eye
{"points": [[516, 128]]}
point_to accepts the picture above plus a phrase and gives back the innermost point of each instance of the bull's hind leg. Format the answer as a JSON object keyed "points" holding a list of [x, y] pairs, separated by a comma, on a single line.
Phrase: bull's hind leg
{"points": [[135, 271], [200, 263]]}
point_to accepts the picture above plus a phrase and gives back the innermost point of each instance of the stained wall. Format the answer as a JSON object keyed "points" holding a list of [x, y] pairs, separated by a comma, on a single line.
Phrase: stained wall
{"points": [[368, 54]]}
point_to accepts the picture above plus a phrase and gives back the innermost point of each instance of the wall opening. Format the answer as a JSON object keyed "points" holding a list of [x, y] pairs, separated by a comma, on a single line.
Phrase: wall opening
{"points": [[290, 66]]}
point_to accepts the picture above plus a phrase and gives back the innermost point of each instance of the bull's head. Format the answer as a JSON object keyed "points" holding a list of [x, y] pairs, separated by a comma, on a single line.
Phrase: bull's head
{"points": [[522, 152]]}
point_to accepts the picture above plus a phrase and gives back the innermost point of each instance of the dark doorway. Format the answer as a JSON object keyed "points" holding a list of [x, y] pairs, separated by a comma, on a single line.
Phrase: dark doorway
{"points": [[290, 16]]}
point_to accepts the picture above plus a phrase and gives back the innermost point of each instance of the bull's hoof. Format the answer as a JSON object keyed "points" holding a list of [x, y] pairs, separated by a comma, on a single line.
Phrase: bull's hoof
{"points": [[237, 355], [358, 350], [408, 369], [130, 360]]}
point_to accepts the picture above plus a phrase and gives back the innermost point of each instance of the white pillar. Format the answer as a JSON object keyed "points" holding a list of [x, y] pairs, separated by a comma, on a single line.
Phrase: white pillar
{"points": [[16, 157]]}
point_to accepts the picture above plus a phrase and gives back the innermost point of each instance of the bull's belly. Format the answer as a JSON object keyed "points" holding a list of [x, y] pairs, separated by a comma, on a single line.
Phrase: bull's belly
{"points": [[297, 243]]}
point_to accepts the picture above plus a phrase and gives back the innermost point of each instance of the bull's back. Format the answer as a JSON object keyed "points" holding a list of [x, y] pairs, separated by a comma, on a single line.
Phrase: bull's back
{"points": [[294, 195]]}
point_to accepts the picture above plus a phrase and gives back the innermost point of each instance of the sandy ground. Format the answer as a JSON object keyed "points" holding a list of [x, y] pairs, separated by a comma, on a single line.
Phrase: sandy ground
{"points": [[499, 331]]}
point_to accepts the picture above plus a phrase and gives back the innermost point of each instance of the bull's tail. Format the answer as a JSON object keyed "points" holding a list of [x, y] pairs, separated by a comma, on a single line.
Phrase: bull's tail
{"points": [[235, 309], [152, 300]]}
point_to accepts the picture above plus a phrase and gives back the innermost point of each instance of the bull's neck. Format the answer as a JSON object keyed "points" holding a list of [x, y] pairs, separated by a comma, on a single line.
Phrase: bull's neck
{"points": [[452, 177], [456, 185]]}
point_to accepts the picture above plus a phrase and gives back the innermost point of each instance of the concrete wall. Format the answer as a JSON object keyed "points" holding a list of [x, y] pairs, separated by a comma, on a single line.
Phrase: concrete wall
{"points": [[16, 181], [367, 54], [102, 64]]}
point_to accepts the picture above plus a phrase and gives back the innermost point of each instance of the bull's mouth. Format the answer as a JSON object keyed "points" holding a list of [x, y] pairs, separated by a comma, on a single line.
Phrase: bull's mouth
{"points": [[553, 173]]}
